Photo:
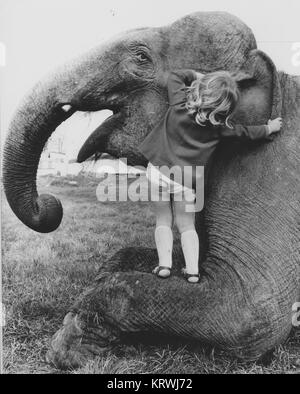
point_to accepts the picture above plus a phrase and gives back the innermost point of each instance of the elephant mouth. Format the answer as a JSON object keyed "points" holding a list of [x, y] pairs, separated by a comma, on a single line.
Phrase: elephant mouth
{"points": [[96, 143]]}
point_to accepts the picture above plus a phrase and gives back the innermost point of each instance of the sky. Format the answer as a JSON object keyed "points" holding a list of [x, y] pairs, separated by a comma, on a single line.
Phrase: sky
{"points": [[39, 35]]}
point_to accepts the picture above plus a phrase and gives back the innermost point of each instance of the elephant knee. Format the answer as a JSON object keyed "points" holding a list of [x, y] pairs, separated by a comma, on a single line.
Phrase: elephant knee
{"points": [[260, 329]]}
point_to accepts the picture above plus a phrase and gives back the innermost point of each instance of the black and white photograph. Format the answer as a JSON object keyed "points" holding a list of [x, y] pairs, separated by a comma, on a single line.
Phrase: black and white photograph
{"points": [[150, 190]]}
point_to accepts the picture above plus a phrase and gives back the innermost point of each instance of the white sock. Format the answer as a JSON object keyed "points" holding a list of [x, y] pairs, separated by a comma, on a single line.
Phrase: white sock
{"points": [[190, 248], [164, 245]]}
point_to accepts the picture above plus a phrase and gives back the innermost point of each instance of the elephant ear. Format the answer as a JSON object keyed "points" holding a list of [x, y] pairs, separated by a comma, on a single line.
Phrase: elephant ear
{"points": [[260, 89]]}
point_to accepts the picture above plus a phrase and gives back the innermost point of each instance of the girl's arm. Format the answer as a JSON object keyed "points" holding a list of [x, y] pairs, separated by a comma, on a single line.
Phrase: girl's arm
{"points": [[246, 132], [253, 132]]}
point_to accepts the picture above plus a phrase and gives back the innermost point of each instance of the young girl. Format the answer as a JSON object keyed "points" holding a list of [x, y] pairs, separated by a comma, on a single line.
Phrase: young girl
{"points": [[198, 117]]}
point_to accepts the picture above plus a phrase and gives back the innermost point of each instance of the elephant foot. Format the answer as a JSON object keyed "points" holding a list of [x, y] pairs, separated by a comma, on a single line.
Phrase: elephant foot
{"points": [[76, 342]]}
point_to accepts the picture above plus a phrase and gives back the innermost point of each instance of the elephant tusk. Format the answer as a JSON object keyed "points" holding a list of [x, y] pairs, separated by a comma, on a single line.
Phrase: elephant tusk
{"points": [[66, 107]]}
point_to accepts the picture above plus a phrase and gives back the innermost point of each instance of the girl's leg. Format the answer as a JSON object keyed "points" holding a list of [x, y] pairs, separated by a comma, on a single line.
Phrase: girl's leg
{"points": [[164, 236], [185, 222]]}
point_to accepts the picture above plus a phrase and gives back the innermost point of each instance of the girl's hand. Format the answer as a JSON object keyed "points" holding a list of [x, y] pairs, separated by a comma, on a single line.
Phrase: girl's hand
{"points": [[274, 125]]}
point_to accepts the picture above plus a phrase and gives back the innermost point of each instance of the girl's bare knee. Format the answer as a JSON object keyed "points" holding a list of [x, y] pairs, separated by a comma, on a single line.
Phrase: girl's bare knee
{"points": [[185, 222], [185, 226], [163, 213], [164, 221]]}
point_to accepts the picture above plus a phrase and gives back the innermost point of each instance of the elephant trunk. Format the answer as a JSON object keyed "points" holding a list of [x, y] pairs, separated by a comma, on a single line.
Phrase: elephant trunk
{"points": [[78, 86], [29, 131]]}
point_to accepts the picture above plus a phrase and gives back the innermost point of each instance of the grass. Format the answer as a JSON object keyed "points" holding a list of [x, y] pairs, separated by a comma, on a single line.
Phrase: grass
{"points": [[44, 274]]}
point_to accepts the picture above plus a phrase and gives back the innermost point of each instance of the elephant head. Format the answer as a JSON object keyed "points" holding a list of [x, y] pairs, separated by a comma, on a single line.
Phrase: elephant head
{"points": [[125, 76]]}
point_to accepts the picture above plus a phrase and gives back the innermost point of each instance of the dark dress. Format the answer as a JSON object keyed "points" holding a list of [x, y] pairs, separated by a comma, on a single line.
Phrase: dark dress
{"points": [[178, 140]]}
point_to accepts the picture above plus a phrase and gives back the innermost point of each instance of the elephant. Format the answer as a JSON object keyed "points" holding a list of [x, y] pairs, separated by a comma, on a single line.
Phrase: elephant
{"points": [[249, 228]]}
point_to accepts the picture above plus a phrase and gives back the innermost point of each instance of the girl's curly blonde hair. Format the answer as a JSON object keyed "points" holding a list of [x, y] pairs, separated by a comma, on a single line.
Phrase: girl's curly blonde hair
{"points": [[213, 98]]}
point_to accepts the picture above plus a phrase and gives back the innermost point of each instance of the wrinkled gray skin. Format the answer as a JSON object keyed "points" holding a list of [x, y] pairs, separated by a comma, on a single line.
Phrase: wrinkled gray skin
{"points": [[250, 227]]}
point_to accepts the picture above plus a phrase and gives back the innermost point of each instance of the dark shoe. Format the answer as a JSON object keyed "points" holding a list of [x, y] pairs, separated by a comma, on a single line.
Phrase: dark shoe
{"points": [[158, 271], [191, 278]]}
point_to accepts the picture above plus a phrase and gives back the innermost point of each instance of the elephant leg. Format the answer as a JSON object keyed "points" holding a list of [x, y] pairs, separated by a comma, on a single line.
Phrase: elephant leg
{"points": [[85, 333], [243, 321], [90, 328]]}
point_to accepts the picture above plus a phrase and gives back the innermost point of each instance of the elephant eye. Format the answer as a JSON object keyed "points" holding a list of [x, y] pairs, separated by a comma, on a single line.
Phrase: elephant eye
{"points": [[142, 57]]}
